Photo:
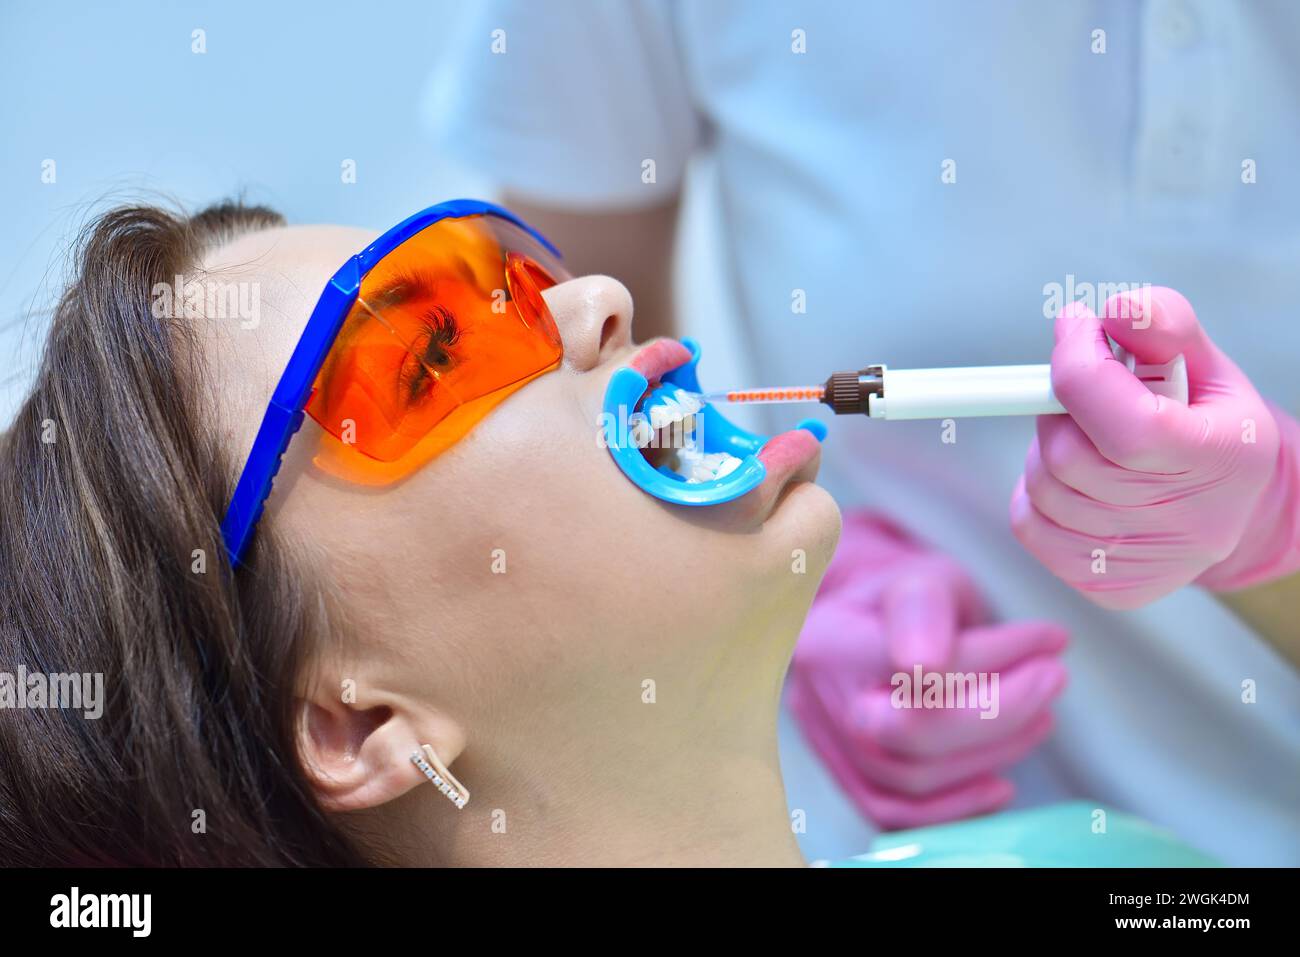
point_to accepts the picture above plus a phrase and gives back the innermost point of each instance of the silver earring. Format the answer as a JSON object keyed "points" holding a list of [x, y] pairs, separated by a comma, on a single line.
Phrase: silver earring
{"points": [[439, 776]]}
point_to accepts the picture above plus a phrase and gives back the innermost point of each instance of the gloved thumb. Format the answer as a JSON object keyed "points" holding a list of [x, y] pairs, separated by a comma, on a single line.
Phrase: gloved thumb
{"points": [[1114, 408], [1156, 324]]}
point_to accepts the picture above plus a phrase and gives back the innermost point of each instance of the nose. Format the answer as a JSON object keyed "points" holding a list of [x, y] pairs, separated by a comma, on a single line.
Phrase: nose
{"points": [[594, 316]]}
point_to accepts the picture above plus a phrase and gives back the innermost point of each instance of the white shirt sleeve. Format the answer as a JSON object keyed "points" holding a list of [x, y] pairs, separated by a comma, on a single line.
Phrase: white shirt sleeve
{"points": [[566, 102]]}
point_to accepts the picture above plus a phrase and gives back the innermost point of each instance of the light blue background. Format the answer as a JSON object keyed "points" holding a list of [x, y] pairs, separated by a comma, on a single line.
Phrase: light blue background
{"points": [[113, 94]]}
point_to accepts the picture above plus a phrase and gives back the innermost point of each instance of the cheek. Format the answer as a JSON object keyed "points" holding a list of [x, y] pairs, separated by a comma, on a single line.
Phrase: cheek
{"points": [[601, 558]]}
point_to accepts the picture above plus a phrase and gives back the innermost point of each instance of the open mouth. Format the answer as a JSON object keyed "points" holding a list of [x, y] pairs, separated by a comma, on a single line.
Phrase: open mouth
{"points": [[668, 426], [671, 443]]}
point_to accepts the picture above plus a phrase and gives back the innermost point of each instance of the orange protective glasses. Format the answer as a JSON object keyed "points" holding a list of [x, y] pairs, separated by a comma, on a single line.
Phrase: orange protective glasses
{"points": [[444, 328], [413, 341]]}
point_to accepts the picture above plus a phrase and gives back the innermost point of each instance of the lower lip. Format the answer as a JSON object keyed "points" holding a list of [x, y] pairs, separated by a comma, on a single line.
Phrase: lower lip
{"points": [[788, 452], [790, 457]]}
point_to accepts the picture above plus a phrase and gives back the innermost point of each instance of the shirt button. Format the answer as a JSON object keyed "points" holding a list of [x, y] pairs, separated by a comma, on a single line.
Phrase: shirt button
{"points": [[1179, 158], [1176, 24]]}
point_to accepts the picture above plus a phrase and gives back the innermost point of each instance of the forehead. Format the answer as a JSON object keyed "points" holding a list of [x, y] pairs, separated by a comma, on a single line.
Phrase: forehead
{"points": [[264, 285], [285, 270]]}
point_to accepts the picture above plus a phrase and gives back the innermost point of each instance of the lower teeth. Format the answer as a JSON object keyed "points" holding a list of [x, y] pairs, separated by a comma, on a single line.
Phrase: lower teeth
{"points": [[697, 466]]}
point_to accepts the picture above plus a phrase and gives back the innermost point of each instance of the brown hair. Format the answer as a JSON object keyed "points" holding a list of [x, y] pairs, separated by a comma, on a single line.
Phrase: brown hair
{"points": [[109, 482]]}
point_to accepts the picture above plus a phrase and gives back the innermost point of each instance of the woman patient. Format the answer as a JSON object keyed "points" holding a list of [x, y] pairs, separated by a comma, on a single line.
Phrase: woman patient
{"points": [[448, 557]]}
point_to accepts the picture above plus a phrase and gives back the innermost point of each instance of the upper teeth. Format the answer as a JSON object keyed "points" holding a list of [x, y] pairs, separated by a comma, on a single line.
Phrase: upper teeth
{"points": [[665, 410]]}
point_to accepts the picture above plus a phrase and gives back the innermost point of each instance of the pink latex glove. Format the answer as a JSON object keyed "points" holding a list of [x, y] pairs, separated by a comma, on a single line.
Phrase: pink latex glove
{"points": [[1131, 495], [888, 603]]}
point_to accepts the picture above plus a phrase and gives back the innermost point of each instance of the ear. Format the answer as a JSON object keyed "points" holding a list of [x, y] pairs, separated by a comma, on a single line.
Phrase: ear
{"points": [[357, 753]]}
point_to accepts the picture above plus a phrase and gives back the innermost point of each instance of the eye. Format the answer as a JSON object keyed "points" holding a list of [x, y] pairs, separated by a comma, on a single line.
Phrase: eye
{"points": [[431, 351]]}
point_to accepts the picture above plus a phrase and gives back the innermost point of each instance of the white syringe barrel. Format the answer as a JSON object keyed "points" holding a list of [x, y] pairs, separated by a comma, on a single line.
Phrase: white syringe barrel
{"points": [[998, 390]]}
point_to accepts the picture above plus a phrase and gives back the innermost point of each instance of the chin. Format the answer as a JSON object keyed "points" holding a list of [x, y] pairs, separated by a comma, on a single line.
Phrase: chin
{"points": [[807, 519]]}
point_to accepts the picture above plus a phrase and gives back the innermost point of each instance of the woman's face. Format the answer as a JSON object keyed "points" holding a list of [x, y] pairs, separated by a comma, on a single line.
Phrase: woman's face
{"points": [[518, 577]]}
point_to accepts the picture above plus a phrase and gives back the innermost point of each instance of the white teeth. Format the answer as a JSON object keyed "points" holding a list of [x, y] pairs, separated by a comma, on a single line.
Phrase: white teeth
{"points": [[697, 466], [728, 465], [642, 433], [671, 417], [667, 409], [687, 401]]}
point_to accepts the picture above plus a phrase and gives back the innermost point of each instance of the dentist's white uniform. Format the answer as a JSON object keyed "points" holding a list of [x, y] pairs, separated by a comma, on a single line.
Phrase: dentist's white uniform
{"points": [[1071, 167]]}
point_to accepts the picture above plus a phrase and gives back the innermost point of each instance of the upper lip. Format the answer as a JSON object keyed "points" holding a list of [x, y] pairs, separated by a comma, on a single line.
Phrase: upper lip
{"points": [[656, 359]]}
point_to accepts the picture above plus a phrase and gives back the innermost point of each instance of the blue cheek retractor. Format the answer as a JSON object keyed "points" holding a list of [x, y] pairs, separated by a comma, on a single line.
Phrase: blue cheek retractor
{"points": [[625, 389]]}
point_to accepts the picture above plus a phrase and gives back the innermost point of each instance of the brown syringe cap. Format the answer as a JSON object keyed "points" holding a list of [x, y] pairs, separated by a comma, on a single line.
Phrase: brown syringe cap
{"points": [[850, 393]]}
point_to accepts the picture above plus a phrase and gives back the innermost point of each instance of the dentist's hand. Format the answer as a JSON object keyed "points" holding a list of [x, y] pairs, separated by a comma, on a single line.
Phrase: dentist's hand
{"points": [[888, 604], [1131, 495]]}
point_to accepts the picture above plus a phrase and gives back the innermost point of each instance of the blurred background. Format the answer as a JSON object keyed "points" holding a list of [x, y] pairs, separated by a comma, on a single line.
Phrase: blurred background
{"points": [[197, 101], [116, 96]]}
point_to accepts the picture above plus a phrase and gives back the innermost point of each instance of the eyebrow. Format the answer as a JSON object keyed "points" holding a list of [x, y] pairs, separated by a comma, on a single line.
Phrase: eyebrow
{"points": [[402, 287]]}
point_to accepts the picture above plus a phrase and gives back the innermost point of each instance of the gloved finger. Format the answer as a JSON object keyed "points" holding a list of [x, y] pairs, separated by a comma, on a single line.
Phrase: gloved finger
{"points": [[1130, 425], [1062, 448], [992, 710], [1000, 647], [919, 777], [885, 808], [1073, 510], [1066, 553], [895, 812], [1121, 531], [1116, 574], [920, 608], [890, 809], [891, 572]]}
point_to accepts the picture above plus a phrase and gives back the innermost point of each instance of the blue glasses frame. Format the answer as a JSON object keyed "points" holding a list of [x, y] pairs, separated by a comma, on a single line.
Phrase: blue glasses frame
{"points": [[284, 413]]}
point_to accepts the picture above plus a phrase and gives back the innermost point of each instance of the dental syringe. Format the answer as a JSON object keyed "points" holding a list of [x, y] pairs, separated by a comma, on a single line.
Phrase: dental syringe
{"points": [[883, 393]]}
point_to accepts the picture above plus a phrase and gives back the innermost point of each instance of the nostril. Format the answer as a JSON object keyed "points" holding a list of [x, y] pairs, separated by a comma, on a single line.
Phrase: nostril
{"points": [[607, 330]]}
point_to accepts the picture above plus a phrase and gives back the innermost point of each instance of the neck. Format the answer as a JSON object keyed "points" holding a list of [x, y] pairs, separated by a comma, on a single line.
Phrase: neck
{"points": [[730, 815], [692, 779]]}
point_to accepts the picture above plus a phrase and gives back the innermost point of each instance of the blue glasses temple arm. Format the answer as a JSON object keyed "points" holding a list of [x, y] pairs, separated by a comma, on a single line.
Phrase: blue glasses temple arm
{"points": [[284, 413]]}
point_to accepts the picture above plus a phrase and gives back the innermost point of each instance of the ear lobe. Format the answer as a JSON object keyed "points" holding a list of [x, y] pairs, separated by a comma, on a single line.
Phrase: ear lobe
{"points": [[357, 757]]}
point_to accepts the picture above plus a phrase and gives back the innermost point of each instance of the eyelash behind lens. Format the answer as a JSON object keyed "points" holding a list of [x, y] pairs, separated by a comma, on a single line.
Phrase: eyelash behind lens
{"points": [[442, 325], [432, 346]]}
